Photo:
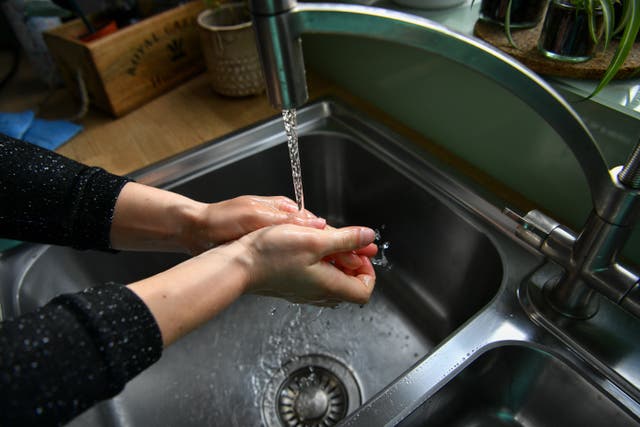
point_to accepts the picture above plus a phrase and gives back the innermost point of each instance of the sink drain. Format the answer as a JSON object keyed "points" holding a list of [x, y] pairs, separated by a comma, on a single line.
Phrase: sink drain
{"points": [[310, 391], [312, 396]]}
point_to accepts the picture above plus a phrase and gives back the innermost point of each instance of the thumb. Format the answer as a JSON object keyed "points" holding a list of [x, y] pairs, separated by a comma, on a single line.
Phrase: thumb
{"points": [[347, 239]]}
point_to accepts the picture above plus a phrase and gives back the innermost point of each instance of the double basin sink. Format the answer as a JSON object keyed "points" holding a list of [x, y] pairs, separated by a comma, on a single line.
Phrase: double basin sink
{"points": [[448, 339]]}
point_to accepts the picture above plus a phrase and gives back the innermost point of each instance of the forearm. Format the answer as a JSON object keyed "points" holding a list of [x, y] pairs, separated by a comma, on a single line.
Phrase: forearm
{"points": [[148, 218], [49, 198], [191, 293], [75, 351]]}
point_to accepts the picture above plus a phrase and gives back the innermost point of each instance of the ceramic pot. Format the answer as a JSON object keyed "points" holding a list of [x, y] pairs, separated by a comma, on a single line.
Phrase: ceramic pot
{"points": [[524, 13], [230, 50], [565, 33]]}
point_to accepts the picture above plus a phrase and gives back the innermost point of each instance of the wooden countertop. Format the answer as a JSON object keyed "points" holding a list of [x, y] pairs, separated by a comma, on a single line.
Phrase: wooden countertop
{"points": [[183, 118], [179, 120]]}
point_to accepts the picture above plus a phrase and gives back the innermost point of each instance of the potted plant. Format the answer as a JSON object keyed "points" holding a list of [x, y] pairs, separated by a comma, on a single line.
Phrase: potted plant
{"points": [[513, 13], [229, 48], [517, 14], [573, 29]]}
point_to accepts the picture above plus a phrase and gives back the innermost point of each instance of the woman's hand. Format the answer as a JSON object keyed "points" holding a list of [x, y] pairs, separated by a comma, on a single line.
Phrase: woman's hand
{"points": [[305, 265], [231, 219], [286, 261], [148, 218]]}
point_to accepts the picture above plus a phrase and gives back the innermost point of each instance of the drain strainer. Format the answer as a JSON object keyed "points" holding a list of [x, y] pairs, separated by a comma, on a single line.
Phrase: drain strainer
{"points": [[310, 391]]}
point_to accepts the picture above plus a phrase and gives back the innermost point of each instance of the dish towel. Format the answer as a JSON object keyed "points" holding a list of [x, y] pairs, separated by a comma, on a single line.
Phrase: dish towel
{"points": [[48, 134]]}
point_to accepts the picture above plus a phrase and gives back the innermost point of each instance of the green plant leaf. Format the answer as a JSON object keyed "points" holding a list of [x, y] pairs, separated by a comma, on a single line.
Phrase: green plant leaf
{"points": [[592, 21], [507, 25], [627, 40], [607, 20], [624, 18]]}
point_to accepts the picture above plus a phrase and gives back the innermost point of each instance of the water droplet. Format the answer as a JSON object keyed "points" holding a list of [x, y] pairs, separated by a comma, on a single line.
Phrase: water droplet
{"points": [[381, 260]]}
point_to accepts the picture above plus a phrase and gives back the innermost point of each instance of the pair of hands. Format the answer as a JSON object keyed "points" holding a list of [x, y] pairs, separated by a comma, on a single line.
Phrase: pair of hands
{"points": [[250, 244], [291, 254]]}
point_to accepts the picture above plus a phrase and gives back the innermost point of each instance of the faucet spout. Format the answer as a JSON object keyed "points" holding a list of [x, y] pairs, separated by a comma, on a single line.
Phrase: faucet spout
{"points": [[589, 257], [279, 25], [280, 49]]}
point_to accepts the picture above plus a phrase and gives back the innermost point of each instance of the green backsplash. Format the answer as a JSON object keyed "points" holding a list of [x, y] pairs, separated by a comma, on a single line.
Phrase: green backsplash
{"points": [[473, 117]]}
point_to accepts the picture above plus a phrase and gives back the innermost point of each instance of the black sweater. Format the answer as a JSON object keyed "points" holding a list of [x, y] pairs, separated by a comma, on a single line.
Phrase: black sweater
{"points": [[79, 348]]}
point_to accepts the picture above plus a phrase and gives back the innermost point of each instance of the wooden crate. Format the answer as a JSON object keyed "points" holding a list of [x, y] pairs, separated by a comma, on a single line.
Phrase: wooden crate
{"points": [[130, 67]]}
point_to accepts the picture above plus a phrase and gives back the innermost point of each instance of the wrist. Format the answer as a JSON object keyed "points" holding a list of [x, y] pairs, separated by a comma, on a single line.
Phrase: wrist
{"points": [[239, 259], [148, 218], [194, 291], [190, 227]]}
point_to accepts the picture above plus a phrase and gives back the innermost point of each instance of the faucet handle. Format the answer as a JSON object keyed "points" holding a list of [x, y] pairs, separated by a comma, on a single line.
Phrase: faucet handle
{"points": [[534, 228]]}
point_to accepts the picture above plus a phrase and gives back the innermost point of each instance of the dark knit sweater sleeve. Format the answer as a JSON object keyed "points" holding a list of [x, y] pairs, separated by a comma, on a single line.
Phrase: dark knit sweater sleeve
{"points": [[48, 198], [73, 352]]}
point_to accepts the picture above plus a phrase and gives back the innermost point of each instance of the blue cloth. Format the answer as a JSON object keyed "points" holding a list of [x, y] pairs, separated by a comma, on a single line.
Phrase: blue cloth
{"points": [[49, 134], [16, 125]]}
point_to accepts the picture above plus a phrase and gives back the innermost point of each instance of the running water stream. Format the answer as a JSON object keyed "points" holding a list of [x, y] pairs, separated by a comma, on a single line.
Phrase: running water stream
{"points": [[290, 128]]}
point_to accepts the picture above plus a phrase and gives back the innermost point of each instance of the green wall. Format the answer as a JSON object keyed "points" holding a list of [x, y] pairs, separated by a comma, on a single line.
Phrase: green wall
{"points": [[473, 117]]}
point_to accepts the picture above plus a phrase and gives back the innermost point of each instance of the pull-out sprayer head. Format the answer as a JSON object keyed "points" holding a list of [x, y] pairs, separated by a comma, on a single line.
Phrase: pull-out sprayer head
{"points": [[280, 51], [271, 7]]}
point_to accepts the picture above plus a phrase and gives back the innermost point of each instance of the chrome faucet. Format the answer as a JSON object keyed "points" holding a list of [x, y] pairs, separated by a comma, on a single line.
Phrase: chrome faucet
{"points": [[589, 258]]}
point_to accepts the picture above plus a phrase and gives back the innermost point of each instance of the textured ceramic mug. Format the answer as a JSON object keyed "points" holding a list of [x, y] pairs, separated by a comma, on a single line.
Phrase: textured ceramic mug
{"points": [[230, 51]]}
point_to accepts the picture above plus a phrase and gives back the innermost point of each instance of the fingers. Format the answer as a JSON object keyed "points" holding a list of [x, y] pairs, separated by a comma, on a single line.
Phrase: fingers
{"points": [[315, 222], [353, 288], [282, 203], [346, 239], [291, 214], [368, 251], [345, 260], [366, 269], [287, 205], [351, 260]]}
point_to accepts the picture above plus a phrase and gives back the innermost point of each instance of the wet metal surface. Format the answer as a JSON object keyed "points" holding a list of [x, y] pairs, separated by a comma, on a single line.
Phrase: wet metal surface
{"points": [[446, 308]]}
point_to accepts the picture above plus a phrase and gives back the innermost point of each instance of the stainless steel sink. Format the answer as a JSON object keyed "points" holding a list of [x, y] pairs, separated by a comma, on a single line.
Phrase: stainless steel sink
{"points": [[448, 297], [514, 386]]}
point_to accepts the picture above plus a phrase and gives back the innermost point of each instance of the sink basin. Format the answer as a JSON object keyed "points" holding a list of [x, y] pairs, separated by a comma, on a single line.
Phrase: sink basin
{"points": [[454, 335], [234, 370], [516, 386]]}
